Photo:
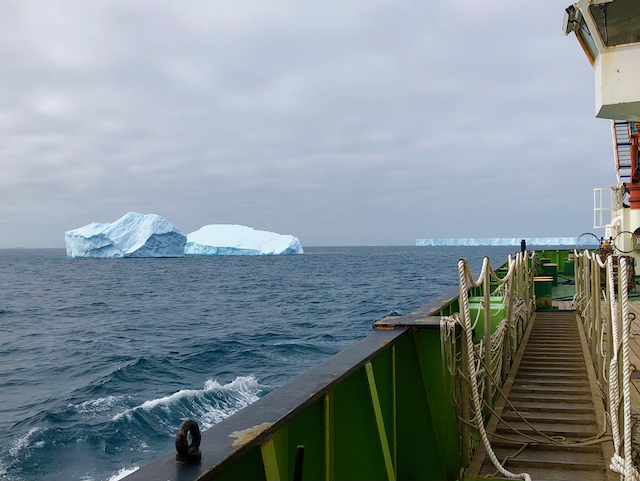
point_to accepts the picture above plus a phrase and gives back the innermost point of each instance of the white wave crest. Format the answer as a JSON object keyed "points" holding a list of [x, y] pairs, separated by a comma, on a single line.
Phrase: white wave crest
{"points": [[124, 472], [22, 443], [97, 406], [240, 392]]}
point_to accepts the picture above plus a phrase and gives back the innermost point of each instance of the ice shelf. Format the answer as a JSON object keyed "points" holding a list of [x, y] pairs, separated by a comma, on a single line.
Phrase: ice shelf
{"points": [[228, 239], [133, 235], [511, 241]]}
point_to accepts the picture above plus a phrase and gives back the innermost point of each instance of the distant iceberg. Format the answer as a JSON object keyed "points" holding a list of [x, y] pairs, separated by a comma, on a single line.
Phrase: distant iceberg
{"points": [[133, 235], [227, 239], [511, 241]]}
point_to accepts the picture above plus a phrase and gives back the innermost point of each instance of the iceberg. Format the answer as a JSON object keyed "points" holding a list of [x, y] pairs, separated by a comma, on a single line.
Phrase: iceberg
{"points": [[228, 239], [133, 235], [512, 241]]}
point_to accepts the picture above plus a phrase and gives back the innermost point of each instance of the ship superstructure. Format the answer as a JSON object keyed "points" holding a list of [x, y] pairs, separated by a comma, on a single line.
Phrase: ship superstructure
{"points": [[609, 33]]}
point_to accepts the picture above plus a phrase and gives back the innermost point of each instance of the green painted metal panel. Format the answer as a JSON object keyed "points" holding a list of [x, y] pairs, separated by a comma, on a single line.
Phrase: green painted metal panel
{"points": [[357, 452], [382, 432], [269, 461], [543, 287], [384, 376], [329, 432], [307, 429], [569, 268], [280, 442], [388, 424], [418, 452], [437, 382], [248, 468], [551, 269], [476, 309]]}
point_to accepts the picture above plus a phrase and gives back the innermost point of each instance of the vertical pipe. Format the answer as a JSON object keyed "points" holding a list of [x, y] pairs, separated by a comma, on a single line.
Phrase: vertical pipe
{"points": [[395, 408], [487, 330], [519, 276], [299, 463], [506, 349]]}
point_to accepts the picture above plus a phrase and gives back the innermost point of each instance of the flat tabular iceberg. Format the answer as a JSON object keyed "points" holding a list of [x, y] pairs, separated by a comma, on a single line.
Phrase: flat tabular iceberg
{"points": [[133, 235], [226, 239], [511, 241]]}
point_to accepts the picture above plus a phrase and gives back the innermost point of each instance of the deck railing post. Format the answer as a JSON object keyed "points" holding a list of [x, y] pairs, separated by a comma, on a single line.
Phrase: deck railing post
{"points": [[576, 274], [587, 296], [487, 331], [520, 290], [607, 311], [598, 326], [506, 349]]}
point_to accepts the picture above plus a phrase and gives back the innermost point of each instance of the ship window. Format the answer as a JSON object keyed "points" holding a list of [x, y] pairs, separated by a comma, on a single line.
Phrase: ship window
{"points": [[618, 21], [586, 40]]}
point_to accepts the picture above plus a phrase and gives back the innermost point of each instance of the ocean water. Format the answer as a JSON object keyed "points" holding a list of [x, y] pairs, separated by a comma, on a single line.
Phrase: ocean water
{"points": [[101, 360]]}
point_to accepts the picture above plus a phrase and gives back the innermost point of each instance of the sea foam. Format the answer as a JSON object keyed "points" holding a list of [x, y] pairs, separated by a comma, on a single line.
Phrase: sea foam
{"points": [[24, 442], [123, 473], [209, 405]]}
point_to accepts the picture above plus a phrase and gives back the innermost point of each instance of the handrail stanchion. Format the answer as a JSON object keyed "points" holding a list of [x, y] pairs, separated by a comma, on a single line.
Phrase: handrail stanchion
{"points": [[487, 331], [609, 331], [598, 320], [506, 348]]}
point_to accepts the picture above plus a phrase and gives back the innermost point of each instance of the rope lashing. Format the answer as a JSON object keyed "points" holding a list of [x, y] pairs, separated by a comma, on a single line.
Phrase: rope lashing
{"points": [[463, 270], [587, 263]]}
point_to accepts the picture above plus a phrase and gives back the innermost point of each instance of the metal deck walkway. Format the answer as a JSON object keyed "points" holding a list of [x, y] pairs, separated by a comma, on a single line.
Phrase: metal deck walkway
{"points": [[552, 390]]}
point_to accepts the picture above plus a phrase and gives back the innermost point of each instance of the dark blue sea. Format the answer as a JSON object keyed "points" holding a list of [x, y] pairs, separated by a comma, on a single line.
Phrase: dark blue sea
{"points": [[102, 359]]}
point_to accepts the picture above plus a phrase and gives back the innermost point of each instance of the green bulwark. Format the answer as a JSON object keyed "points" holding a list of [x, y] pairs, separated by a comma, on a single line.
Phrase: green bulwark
{"points": [[380, 410], [390, 419]]}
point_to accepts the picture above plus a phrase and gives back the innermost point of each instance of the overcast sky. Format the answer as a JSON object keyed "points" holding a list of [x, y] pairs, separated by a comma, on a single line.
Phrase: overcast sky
{"points": [[341, 122]]}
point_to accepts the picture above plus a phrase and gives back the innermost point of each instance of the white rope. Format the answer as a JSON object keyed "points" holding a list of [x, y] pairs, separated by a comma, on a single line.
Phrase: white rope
{"points": [[614, 394], [463, 270], [629, 472], [620, 341]]}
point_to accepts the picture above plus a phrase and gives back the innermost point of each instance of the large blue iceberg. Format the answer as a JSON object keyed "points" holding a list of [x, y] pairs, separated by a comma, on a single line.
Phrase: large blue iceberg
{"points": [[133, 235], [226, 239], [511, 241]]}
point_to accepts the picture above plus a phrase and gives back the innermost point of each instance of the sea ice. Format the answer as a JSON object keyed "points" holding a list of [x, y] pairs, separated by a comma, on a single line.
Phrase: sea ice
{"points": [[510, 241], [133, 235], [226, 239]]}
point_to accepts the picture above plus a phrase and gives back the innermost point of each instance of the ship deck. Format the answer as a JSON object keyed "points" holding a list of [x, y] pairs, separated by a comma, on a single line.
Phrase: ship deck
{"points": [[385, 408], [553, 384]]}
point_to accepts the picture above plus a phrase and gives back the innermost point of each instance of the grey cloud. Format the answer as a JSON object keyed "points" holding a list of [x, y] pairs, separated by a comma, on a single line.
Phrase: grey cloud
{"points": [[340, 122]]}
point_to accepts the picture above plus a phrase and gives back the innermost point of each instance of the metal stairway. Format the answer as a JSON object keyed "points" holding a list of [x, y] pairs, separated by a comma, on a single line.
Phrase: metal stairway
{"points": [[621, 132], [552, 391]]}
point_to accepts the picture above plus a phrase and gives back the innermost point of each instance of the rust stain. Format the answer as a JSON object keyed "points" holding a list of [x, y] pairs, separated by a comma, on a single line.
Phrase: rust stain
{"points": [[247, 435], [384, 343], [311, 394]]}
